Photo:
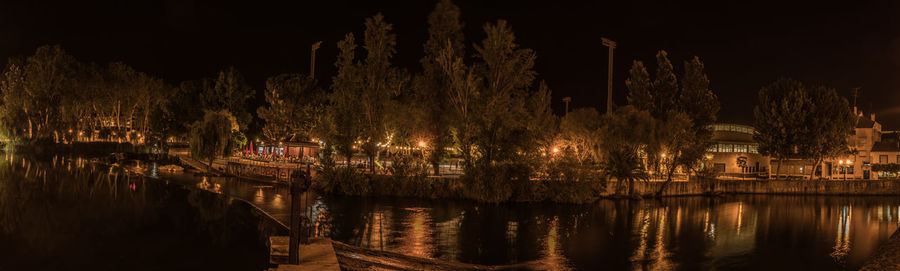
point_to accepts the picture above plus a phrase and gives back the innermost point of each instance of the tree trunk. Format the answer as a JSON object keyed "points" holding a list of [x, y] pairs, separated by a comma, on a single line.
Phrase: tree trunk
{"points": [[436, 167], [630, 187], [778, 169], [671, 170], [812, 173]]}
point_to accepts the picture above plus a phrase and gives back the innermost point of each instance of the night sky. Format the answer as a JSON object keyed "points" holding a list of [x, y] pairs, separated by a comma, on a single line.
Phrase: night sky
{"points": [[744, 44]]}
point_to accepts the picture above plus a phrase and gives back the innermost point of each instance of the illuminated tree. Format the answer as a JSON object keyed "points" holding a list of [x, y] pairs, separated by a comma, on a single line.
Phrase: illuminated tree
{"points": [[685, 112], [431, 87], [214, 136], [293, 108]]}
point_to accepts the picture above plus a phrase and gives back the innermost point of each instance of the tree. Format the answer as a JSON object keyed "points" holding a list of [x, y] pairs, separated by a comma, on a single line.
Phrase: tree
{"points": [[830, 125], [507, 73], [381, 83], [364, 90], [431, 87], [229, 92], [343, 126], [624, 135], [793, 120], [463, 85], [213, 136], [684, 111], [578, 132], [777, 116], [293, 108], [14, 97], [47, 77]]}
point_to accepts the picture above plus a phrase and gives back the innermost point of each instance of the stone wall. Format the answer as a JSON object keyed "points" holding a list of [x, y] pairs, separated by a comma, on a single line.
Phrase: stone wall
{"points": [[794, 187]]}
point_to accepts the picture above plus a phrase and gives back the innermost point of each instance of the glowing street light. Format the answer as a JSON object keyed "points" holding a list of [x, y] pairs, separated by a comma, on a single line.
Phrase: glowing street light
{"points": [[421, 144], [555, 150]]}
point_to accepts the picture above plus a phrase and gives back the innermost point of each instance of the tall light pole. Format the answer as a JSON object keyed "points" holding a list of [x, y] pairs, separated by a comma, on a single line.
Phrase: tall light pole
{"points": [[612, 45], [312, 59], [567, 100]]}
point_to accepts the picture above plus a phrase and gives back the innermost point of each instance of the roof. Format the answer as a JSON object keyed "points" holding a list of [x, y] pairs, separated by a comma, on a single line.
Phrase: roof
{"points": [[864, 122], [885, 146]]}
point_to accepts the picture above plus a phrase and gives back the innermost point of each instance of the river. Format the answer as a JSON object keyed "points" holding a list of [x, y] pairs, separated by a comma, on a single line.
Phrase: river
{"points": [[746, 232]]}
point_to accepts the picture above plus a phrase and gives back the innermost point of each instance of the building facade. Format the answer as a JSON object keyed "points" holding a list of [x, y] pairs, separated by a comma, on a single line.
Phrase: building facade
{"points": [[735, 154]]}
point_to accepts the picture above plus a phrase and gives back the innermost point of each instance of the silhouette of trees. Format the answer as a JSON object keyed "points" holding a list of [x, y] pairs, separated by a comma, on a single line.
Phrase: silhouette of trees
{"points": [[684, 111], [293, 110], [796, 121], [214, 136]]}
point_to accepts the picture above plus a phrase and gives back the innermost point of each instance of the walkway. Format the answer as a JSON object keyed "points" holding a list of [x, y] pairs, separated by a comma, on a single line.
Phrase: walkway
{"points": [[887, 257]]}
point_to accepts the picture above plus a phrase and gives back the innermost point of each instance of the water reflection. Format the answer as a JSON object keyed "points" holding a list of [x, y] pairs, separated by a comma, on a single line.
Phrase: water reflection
{"points": [[66, 213], [735, 233]]}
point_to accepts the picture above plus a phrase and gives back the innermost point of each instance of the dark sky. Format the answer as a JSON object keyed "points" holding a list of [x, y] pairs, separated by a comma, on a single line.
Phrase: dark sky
{"points": [[744, 44]]}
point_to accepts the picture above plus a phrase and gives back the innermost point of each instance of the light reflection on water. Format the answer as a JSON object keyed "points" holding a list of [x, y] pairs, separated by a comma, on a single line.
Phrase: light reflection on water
{"points": [[743, 232], [64, 213], [687, 233]]}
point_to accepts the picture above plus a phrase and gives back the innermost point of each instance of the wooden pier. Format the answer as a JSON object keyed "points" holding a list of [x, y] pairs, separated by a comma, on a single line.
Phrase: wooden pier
{"points": [[317, 255]]}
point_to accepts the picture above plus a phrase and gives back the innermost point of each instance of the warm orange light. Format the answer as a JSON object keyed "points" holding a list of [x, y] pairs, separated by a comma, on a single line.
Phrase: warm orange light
{"points": [[663, 155], [422, 144], [841, 162], [555, 150]]}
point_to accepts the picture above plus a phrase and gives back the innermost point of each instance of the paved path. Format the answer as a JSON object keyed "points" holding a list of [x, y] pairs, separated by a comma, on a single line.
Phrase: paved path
{"points": [[887, 257]]}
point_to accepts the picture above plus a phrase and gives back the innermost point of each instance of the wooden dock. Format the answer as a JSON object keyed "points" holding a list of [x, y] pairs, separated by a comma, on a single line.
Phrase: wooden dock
{"points": [[317, 255]]}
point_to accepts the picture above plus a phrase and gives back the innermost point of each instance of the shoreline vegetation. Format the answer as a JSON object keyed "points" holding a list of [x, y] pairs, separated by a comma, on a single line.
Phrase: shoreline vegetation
{"points": [[502, 184], [479, 101]]}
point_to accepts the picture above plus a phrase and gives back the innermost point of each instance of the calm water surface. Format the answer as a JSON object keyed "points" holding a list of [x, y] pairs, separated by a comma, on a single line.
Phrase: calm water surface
{"points": [[71, 214], [67, 213], [684, 233]]}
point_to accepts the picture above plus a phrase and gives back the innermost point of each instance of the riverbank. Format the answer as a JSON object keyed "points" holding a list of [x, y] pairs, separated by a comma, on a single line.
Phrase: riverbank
{"points": [[350, 182]]}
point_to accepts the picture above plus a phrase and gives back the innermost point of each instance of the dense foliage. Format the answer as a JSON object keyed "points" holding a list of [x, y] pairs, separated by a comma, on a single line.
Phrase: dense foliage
{"points": [[479, 106], [796, 121]]}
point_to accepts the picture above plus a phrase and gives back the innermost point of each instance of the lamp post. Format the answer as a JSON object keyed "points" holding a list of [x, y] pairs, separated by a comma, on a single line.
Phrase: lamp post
{"points": [[845, 166], [567, 100], [312, 59], [612, 45]]}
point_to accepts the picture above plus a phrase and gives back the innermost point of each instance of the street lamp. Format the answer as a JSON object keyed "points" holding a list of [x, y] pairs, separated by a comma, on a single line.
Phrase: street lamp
{"points": [[612, 45], [567, 100], [845, 166]]}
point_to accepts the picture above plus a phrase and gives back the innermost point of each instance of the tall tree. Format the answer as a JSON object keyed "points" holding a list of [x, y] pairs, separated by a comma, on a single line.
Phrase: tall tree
{"points": [[47, 77], [431, 87], [343, 126], [782, 109], [830, 123], [463, 84], [507, 73], [382, 83], [230, 92], [793, 120], [293, 107], [685, 110]]}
